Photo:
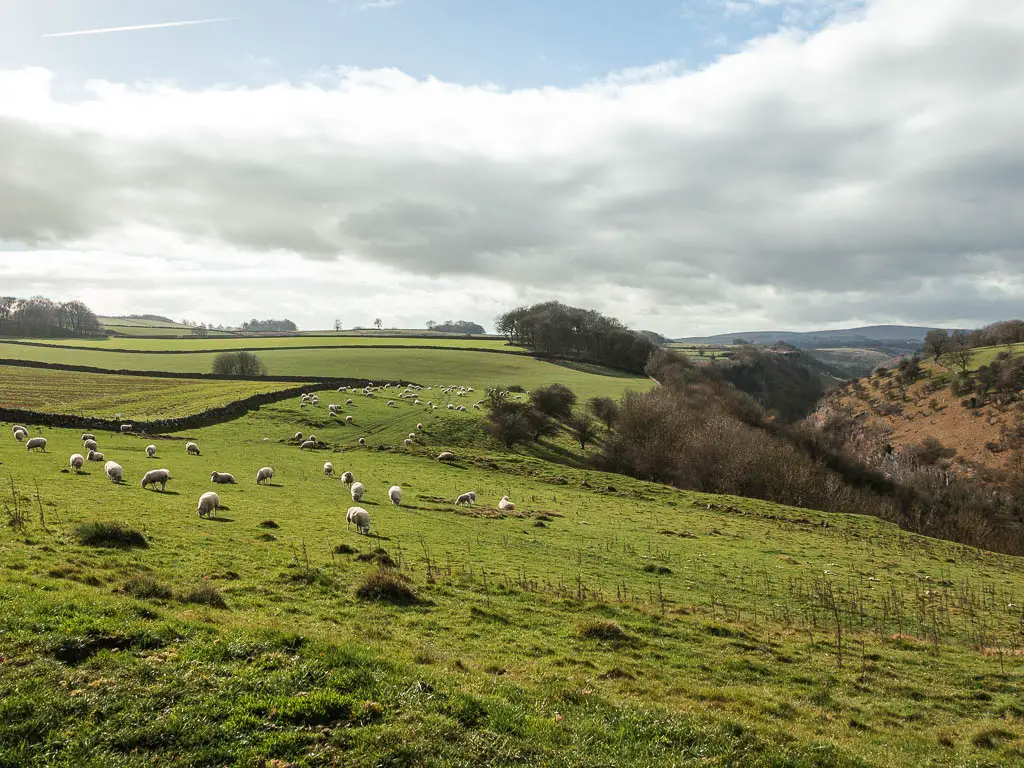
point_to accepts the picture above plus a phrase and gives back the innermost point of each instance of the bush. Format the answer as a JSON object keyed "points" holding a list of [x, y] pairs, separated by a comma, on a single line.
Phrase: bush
{"points": [[386, 586], [555, 400], [605, 409], [240, 363], [109, 534]]}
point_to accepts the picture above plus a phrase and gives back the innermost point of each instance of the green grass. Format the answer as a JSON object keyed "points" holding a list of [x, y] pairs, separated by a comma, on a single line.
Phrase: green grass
{"points": [[985, 355], [423, 366], [524, 644], [284, 342], [104, 395]]}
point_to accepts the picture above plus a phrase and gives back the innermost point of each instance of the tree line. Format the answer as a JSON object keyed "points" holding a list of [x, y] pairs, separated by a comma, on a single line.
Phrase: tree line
{"points": [[456, 326], [557, 330], [263, 326], [40, 317]]}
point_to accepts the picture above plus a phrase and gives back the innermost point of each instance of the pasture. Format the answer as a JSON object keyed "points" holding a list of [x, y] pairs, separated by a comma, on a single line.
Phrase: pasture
{"points": [[284, 342], [606, 621], [135, 397], [423, 366]]}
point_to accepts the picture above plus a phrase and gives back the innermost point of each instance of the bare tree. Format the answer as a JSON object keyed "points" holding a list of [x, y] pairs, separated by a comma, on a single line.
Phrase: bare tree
{"points": [[378, 323], [959, 352]]}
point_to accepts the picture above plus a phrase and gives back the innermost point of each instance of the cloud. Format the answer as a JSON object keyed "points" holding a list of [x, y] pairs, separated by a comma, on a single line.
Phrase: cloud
{"points": [[868, 172], [139, 27], [371, 5]]}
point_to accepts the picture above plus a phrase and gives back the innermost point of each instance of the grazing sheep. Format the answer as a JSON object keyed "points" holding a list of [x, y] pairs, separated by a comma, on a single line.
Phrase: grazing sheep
{"points": [[347, 478], [209, 502], [155, 476], [446, 456], [192, 449], [451, 407], [94, 456], [19, 428], [407, 441], [505, 505], [312, 439], [114, 471], [412, 435], [391, 403], [362, 441], [348, 419], [328, 469], [349, 401], [223, 478], [126, 428], [467, 498], [298, 437], [36, 442], [358, 489], [360, 518], [308, 445], [19, 435], [88, 436], [419, 427], [77, 461], [395, 494], [150, 451], [264, 475], [333, 408], [90, 445]]}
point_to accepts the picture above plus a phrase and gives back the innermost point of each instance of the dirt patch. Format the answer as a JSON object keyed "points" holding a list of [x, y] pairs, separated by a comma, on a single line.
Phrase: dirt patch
{"points": [[521, 514]]}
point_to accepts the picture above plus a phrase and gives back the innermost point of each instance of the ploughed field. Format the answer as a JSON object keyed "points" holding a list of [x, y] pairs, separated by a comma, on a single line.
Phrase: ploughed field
{"points": [[141, 398], [604, 621]]}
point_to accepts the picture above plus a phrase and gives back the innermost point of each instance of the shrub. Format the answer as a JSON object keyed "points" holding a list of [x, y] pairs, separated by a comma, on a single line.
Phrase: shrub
{"points": [[605, 409], [146, 587], [386, 586], [240, 363], [555, 400], [109, 534]]}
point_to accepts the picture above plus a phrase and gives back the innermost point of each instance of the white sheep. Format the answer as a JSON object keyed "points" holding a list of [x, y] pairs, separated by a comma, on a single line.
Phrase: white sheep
{"points": [[114, 471], [298, 437], [94, 456], [19, 435], [358, 489], [407, 442], [360, 518], [348, 419], [446, 456], [223, 478], [333, 408], [126, 428], [312, 439], [19, 428], [391, 403], [209, 502], [88, 436], [36, 442], [347, 478], [191, 449], [362, 441], [90, 445], [155, 476], [412, 435], [467, 498], [77, 461], [395, 494], [264, 475], [349, 401], [451, 407], [505, 505], [328, 469], [308, 445], [150, 451], [419, 427]]}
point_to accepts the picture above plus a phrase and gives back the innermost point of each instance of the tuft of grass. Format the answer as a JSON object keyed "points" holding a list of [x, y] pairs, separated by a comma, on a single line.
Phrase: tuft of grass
{"points": [[269, 524], [344, 549], [661, 570], [266, 537], [602, 629], [386, 586], [378, 556], [146, 588], [109, 534], [206, 594]]}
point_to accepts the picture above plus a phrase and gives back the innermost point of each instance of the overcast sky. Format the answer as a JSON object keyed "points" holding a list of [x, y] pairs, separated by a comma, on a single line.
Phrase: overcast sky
{"points": [[690, 166]]}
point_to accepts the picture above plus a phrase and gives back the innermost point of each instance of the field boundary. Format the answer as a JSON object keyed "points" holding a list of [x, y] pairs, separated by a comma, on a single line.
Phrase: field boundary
{"points": [[121, 351]]}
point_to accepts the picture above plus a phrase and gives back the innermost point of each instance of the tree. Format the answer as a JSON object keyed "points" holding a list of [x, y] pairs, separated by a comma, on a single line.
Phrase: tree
{"points": [[555, 400], [337, 325], [605, 409], [430, 325], [257, 326], [509, 421], [958, 352], [541, 425], [378, 323], [740, 342], [584, 427], [936, 343], [241, 363]]}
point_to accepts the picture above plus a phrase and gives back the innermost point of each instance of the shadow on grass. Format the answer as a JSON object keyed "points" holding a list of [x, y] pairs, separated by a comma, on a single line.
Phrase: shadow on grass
{"points": [[220, 519], [594, 369]]}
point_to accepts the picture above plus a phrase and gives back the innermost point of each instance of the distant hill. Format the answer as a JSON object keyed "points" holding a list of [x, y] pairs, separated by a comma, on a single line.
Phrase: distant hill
{"points": [[894, 338]]}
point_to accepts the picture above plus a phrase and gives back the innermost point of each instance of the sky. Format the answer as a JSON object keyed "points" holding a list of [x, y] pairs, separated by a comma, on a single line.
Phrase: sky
{"points": [[689, 166]]}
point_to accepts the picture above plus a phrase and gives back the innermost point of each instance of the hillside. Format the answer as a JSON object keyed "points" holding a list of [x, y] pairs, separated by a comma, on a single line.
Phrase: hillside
{"points": [[889, 338]]}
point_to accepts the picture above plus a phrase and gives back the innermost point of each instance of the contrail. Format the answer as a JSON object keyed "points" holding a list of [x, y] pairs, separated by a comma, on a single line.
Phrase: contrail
{"points": [[163, 25]]}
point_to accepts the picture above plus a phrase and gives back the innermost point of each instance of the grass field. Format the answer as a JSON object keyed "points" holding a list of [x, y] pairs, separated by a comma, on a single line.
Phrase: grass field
{"points": [[607, 622], [104, 395], [426, 367], [284, 342]]}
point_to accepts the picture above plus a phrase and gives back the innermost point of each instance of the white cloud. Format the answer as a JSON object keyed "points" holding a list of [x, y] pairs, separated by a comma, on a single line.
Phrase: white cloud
{"points": [[867, 172]]}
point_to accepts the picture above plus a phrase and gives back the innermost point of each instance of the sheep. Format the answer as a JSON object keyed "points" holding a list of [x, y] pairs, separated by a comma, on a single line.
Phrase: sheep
{"points": [[298, 437], [209, 502], [451, 407], [349, 401], [407, 442], [312, 439], [264, 475], [328, 469], [360, 518], [88, 436], [505, 505], [90, 445], [223, 478], [412, 435], [77, 461], [114, 471], [94, 456], [36, 442], [419, 427], [150, 451], [391, 403], [467, 498], [348, 419], [19, 435], [126, 428], [358, 489], [395, 494], [307, 445], [155, 476], [191, 449], [333, 408], [446, 456], [362, 441], [347, 478]]}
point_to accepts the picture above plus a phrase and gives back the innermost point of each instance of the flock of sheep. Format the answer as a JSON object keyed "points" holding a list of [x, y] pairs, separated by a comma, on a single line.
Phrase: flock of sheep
{"points": [[209, 502]]}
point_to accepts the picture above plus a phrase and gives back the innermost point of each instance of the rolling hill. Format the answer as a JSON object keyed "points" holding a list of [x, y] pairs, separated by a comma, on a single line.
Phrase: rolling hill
{"points": [[894, 338]]}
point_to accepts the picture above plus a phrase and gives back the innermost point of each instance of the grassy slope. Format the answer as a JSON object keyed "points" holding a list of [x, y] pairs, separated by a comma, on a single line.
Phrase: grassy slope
{"points": [[134, 397], [477, 369], [283, 342], [730, 654]]}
